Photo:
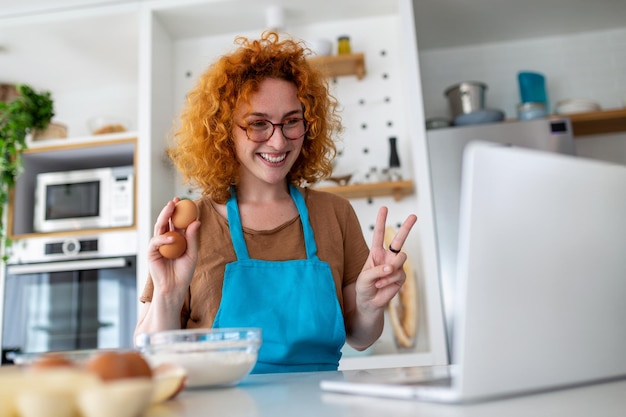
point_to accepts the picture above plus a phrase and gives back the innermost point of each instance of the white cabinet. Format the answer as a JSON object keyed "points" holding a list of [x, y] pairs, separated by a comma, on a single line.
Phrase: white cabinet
{"points": [[139, 59]]}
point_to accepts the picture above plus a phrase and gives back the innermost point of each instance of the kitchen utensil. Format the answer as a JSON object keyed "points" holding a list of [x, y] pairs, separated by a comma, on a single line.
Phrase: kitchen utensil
{"points": [[466, 97], [403, 309]]}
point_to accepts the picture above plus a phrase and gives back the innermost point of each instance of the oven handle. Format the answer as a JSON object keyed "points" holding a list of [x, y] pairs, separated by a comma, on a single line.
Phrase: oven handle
{"points": [[79, 265]]}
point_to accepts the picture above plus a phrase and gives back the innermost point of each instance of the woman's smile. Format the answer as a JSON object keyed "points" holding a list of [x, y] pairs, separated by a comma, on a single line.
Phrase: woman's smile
{"points": [[273, 158]]}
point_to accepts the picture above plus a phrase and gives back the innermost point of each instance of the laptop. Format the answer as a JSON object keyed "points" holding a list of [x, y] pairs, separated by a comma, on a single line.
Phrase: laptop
{"points": [[541, 282]]}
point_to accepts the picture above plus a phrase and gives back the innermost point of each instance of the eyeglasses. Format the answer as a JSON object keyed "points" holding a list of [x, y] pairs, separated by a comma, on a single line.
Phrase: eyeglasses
{"points": [[262, 130]]}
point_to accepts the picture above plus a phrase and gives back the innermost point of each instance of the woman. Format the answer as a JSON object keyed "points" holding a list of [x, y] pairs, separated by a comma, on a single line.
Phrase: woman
{"points": [[267, 251]]}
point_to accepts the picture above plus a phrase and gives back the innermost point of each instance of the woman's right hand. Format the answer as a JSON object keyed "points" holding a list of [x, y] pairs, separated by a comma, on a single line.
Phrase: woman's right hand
{"points": [[171, 276]]}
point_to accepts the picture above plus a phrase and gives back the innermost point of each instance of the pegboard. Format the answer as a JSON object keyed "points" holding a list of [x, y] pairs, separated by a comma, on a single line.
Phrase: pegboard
{"points": [[373, 109]]}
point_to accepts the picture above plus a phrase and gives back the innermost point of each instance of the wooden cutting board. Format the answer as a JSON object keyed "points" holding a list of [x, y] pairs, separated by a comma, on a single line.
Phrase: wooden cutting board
{"points": [[403, 307]]}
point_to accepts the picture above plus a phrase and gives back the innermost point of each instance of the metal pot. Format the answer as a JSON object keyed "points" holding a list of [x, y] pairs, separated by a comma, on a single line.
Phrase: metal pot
{"points": [[466, 97]]}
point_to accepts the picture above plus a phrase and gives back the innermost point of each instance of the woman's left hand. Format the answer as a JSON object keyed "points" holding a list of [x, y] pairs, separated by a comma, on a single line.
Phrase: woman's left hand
{"points": [[383, 273]]}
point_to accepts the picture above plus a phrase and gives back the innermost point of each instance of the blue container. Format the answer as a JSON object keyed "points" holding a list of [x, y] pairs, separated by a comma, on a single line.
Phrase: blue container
{"points": [[532, 88]]}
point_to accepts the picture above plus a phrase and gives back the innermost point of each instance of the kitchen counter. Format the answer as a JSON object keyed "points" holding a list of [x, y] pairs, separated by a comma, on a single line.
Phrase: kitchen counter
{"points": [[298, 394]]}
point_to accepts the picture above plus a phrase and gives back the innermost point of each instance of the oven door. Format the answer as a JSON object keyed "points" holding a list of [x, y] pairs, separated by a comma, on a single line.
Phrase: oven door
{"points": [[70, 305]]}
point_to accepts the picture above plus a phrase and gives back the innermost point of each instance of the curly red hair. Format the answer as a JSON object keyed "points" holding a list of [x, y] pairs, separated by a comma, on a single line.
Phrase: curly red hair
{"points": [[203, 148]]}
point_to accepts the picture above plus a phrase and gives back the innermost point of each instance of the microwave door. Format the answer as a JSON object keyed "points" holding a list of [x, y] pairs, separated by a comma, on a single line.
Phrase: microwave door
{"points": [[69, 206], [72, 200]]}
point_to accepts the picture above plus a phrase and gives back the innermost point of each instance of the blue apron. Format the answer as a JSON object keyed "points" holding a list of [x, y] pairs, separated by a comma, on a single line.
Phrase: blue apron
{"points": [[294, 302]]}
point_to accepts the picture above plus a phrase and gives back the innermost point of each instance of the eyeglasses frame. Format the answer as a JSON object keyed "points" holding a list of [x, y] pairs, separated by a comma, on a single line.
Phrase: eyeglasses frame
{"points": [[282, 125]]}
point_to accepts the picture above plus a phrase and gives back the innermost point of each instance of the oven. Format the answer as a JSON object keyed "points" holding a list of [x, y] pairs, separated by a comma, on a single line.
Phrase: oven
{"points": [[72, 293]]}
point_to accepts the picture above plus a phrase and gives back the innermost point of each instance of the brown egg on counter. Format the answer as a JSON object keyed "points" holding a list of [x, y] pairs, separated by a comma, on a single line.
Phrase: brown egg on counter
{"points": [[112, 365], [127, 385], [137, 364], [184, 214], [176, 248], [51, 360]]}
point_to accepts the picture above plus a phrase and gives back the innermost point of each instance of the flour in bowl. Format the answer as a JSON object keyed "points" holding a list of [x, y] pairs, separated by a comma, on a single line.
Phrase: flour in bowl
{"points": [[210, 368]]}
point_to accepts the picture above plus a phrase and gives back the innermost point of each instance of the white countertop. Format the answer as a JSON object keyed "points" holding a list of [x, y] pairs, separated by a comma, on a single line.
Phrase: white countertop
{"points": [[298, 394]]}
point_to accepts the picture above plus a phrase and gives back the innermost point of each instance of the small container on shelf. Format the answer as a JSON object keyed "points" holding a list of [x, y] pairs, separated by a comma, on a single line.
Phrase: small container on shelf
{"points": [[105, 124], [343, 45], [395, 172], [531, 111]]}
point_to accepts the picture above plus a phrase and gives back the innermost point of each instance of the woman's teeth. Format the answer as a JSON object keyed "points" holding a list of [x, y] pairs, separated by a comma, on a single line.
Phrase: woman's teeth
{"points": [[273, 158]]}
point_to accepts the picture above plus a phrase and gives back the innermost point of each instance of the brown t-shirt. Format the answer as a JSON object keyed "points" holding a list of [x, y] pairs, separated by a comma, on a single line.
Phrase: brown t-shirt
{"points": [[338, 236]]}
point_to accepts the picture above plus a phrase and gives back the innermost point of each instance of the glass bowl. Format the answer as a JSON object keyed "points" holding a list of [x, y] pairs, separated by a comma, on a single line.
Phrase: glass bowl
{"points": [[211, 357]]}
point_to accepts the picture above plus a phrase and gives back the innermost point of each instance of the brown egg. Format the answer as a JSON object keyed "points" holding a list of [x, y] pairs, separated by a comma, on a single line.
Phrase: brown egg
{"points": [[137, 364], [51, 360], [113, 365], [185, 212], [176, 248]]}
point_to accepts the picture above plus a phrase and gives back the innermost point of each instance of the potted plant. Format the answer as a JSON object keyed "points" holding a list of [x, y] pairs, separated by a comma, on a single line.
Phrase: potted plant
{"points": [[26, 112]]}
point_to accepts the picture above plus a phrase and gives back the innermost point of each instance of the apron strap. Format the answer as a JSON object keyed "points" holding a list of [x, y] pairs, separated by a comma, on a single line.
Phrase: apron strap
{"points": [[309, 239], [236, 229]]}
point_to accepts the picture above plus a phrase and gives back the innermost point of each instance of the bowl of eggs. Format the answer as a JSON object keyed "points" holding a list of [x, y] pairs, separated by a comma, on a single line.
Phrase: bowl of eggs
{"points": [[210, 357], [90, 384]]}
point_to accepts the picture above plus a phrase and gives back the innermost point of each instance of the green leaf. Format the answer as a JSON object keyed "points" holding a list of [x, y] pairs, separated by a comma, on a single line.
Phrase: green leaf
{"points": [[31, 110]]}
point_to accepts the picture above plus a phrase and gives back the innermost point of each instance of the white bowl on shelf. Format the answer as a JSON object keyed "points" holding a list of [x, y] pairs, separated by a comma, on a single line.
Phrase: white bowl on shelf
{"points": [[576, 105]]}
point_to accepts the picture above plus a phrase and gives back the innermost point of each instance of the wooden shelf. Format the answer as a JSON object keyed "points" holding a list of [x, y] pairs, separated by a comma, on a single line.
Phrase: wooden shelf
{"points": [[71, 233], [396, 189], [598, 122], [338, 65]]}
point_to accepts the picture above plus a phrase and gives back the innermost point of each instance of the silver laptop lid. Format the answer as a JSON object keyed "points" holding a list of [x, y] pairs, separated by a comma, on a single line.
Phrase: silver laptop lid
{"points": [[542, 271]]}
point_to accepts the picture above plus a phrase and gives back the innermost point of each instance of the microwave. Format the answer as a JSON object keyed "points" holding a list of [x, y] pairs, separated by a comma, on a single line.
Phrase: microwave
{"points": [[84, 199]]}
